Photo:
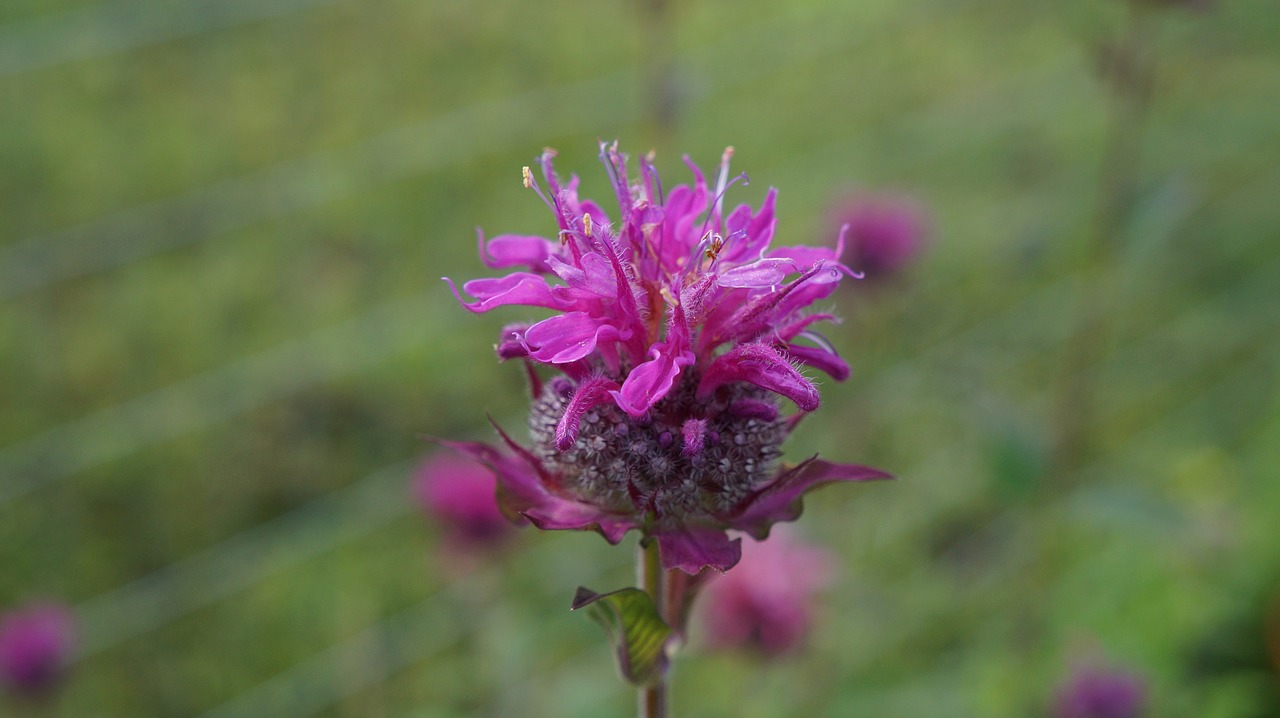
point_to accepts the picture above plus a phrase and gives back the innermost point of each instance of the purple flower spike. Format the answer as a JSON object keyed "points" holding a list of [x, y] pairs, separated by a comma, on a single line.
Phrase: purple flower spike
{"points": [[1101, 693], [677, 331], [765, 604], [35, 648]]}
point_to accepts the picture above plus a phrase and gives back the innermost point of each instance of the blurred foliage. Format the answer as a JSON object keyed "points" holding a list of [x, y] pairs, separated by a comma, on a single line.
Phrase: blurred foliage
{"points": [[220, 242]]}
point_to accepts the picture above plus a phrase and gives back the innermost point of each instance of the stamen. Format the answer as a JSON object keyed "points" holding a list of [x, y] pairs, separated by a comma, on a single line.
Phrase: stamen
{"points": [[724, 175], [586, 224], [531, 183], [722, 187]]}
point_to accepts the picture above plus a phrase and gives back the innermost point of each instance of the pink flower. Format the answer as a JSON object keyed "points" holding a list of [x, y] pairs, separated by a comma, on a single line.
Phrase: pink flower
{"points": [[35, 648], [1101, 693], [766, 602], [885, 232], [676, 330], [459, 494]]}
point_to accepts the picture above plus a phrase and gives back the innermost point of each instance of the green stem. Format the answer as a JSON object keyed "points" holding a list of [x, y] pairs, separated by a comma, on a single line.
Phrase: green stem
{"points": [[1129, 84], [654, 697]]}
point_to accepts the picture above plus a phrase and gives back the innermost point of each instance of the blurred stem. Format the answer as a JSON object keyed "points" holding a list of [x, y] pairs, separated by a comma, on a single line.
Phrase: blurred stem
{"points": [[657, 50], [654, 697], [1126, 72]]}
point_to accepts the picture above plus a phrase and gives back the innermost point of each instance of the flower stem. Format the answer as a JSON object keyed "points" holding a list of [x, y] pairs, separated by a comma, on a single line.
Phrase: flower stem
{"points": [[1128, 78], [653, 697]]}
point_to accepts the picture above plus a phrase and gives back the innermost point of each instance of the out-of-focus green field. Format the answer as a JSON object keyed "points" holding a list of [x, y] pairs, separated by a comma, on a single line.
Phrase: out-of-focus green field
{"points": [[222, 228]]}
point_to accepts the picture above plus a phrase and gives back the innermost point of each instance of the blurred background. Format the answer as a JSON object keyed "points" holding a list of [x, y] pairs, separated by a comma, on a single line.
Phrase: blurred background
{"points": [[222, 230]]}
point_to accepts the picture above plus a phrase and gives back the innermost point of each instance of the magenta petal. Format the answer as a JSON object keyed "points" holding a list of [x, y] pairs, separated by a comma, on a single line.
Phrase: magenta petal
{"points": [[519, 288], [788, 331], [759, 229], [805, 256], [591, 393], [567, 337], [762, 365], [593, 274], [648, 383], [760, 274], [821, 359], [780, 500], [692, 548], [509, 250]]}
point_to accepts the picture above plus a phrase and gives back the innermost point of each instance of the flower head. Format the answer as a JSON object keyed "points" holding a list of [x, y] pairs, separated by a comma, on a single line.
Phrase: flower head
{"points": [[1101, 693], [885, 232], [35, 646], [677, 330], [459, 494], [766, 602]]}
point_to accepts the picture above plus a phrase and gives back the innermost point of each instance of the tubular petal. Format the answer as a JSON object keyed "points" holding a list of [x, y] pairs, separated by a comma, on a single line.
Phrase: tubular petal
{"points": [[567, 337], [591, 393], [762, 365]]}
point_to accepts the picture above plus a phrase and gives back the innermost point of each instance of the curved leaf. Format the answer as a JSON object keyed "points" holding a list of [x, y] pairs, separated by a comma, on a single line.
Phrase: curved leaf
{"points": [[638, 633]]}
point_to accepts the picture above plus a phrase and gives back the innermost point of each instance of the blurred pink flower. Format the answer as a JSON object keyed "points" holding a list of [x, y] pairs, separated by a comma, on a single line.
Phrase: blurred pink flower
{"points": [[765, 603], [1094, 692], [885, 232], [459, 494], [35, 647]]}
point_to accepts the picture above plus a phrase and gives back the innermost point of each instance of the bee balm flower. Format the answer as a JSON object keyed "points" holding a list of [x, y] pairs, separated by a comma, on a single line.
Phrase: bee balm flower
{"points": [[766, 602], [458, 494], [35, 646], [1101, 693], [677, 331], [885, 232]]}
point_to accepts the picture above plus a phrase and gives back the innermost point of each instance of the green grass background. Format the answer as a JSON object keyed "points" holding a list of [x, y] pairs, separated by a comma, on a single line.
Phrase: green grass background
{"points": [[222, 331]]}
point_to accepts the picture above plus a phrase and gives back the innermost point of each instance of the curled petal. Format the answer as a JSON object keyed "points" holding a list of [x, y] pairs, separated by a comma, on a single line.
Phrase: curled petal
{"points": [[692, 548], [788, 331], [649, 382], [509, 250], [780, 500], [820, 358], [522, 288], [762, 365], [567, 337], [590, 393]]}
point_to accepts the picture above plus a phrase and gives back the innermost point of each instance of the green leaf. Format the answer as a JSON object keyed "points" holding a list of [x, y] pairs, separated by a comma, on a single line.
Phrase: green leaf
{"points": [[638, 633]]}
